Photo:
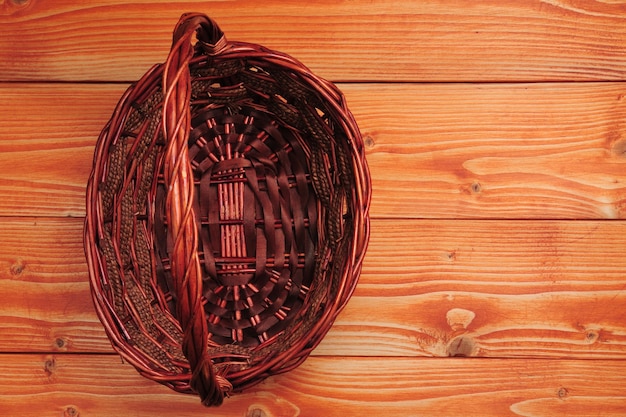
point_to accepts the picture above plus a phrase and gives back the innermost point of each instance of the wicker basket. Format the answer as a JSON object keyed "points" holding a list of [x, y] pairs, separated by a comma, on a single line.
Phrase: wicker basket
{"points": [[227, 214]]}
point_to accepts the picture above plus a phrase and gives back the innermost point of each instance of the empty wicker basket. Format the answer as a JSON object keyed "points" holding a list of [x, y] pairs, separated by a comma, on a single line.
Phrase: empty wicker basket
{"points": [[227, 214]]}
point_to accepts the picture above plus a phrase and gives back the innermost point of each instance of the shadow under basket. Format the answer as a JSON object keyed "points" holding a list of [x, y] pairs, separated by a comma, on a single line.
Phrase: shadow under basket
{"points": [[227, 214]]}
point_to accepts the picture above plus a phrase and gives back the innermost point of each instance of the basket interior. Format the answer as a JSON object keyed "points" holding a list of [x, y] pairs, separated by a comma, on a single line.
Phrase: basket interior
{"points": [[257, 213], [273, 207]]}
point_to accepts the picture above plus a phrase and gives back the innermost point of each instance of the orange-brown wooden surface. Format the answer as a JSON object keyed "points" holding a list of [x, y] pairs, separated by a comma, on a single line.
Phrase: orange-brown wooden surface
{"points": [[364, 40], [51, 385], [495, 280]]}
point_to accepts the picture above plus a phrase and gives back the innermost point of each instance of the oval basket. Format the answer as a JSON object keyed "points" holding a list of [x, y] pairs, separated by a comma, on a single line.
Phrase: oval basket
{"points": [[227, 214]]}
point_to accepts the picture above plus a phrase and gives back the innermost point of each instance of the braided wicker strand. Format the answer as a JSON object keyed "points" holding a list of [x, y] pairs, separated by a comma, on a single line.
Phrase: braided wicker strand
{"points": [[186, 270]]}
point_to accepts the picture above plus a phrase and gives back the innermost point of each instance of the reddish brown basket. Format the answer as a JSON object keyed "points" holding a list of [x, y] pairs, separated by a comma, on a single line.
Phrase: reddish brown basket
{"points": [[227, 214]]}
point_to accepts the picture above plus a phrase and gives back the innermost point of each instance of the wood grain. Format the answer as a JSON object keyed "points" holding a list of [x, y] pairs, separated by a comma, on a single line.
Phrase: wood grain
{"points": [[43, 281], [429, 288], [494, 282], [382, 40], [96, 385], [435, 151], [495, 151]]}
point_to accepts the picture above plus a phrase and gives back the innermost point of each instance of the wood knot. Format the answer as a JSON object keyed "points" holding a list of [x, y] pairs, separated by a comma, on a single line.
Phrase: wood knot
{"points": [[18, 267], [562, 392], [618, 146], [591, 336], [473, 188], [461, 347], [61, 343], [459, 318], [50, 366], [368, 141], [71, 411], [12, 6]]}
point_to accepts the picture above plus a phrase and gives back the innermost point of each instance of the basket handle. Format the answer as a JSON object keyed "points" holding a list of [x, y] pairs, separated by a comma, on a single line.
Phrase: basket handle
{"points": [[185, 266], [208, 34]]}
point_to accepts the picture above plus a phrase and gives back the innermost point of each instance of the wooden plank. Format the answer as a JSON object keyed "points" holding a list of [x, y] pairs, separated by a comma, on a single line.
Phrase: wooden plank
{"points": [[435, 151], [47, 139], [43, 280], [95, 385], [361, 40], [495, 151], [499, 288], [428, 288]]}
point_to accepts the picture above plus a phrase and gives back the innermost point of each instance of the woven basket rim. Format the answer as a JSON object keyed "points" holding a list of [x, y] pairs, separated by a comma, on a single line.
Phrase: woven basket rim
{"points": [[156, 108]]}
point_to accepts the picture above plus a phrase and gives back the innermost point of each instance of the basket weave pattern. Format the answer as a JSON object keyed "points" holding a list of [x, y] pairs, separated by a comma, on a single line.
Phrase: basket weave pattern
{"points": [[227, 214]]}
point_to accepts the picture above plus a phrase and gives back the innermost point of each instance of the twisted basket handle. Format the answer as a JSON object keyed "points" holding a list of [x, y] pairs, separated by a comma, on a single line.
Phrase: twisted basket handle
{"points": [[185, 265]]}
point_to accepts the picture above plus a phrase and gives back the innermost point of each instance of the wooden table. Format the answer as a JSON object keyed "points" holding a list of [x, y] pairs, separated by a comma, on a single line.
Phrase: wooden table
{"points": [[495, 280]]}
